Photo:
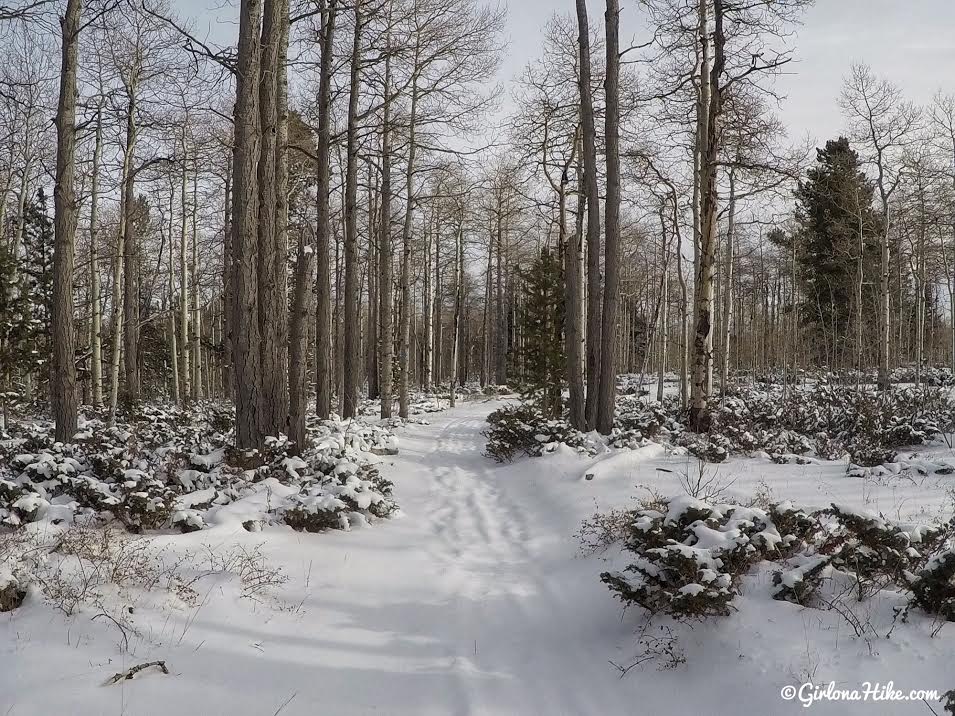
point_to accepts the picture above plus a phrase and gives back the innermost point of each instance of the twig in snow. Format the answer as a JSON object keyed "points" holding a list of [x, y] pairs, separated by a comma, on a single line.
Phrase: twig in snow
{"points": [[285, 703], [119, 626], [131, 672]]}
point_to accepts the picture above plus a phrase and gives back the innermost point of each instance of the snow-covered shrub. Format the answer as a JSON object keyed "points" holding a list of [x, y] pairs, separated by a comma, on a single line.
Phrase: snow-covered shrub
{"points": [[315, 510], [637, 421], [798, 584], [339, 482], [933, 588], [709, 447], [170, 467], [876, 550], [941, 377], [786, 422], [603, 529], [689, 559], [187, 520], [832, 420], [146, 501], [522, 428], [12, 593], [870, 552]]}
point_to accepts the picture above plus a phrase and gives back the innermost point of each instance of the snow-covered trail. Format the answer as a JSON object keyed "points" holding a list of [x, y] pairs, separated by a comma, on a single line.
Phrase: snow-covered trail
{"points": [[516, 625]]}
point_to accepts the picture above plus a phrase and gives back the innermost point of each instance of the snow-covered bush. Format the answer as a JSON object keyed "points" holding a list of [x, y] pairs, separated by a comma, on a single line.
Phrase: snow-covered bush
{"points": [[11, 592], [933, 588], [787, 423], [339, 482], [172, 468], [941, 377], [522, 428], [878, 550], [871, 553], [690, 557], [831, 420], [637, 421]]}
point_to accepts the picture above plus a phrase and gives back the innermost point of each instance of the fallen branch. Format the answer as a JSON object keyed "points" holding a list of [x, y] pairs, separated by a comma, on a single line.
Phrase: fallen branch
{"points": [[131, 672]]}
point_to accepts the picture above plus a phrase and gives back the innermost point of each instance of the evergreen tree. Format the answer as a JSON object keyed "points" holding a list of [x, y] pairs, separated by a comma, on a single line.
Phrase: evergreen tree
{"points": [[838, 238], [38, 270], [26, 298], [17, 327], [542, 328]]}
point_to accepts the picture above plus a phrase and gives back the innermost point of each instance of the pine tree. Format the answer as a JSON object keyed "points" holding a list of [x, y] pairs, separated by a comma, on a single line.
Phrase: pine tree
{"points": [[17, 327], [837, 244], [37, 287], [542, 326]]}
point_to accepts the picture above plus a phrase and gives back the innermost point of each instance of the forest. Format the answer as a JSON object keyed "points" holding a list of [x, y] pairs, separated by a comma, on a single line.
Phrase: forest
{"points": [[351, 363]]}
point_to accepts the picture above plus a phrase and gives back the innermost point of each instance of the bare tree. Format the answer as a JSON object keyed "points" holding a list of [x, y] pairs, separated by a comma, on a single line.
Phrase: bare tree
{"points": [[245, 338], [884, 123], [592, 204], [351, 328], [608, 333], [323, 308], [63, 385]]}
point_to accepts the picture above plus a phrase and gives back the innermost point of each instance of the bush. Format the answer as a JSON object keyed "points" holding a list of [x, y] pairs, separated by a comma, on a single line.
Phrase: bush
{"points": [[933, 590], [877, 551], [830, 420], [522, 428], [168, 467], [11, 593], [691, 557]]}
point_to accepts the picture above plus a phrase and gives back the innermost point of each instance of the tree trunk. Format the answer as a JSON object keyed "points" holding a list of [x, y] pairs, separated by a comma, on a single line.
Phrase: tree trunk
{"points": [[404, 328], [664, 301], [427, 361], [702, 359], [608, 333], [171, 322], [323, 299], [573, 312], [728, 287], [130, 255], [63, 382], [885, 328], [185, 360], [244, 219], [96, 324], [592, 195], [116, 331], [351, 326], [456, 347], [273, 406], [386, 345], [195, 327], [500, 280], [227, 287]]}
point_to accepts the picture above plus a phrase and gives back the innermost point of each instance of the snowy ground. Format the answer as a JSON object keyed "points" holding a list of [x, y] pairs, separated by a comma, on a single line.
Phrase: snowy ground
{"points": [[475, 600]]}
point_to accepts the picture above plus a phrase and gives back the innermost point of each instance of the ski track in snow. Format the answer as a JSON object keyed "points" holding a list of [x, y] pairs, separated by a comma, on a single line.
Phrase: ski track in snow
{"points": [[473, 601]]}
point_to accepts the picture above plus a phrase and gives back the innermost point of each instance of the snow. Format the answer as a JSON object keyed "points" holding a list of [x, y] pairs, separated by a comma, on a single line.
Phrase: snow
{"points": [[475, 600]]}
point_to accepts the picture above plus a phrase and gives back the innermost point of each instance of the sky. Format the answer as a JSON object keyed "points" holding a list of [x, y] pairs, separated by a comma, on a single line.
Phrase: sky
{"points": [[910, 42]]}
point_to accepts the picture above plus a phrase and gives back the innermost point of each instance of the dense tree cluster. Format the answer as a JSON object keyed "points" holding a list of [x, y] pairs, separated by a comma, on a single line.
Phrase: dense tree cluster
{"points": [[329, 207]]}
